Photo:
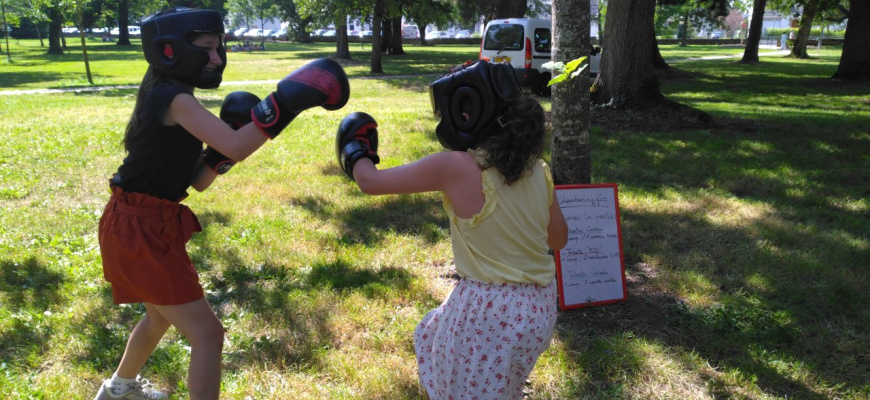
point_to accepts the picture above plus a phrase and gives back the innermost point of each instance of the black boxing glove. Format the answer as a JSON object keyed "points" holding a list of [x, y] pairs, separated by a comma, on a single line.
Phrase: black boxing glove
{"points": [[236, 112], [321, 82], [357, 137]]}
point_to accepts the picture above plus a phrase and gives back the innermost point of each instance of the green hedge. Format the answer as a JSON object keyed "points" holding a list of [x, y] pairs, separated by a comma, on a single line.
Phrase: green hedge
{"points": [[814, 33]]}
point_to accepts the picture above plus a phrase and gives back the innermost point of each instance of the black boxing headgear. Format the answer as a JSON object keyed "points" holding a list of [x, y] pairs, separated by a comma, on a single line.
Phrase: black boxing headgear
{"points": [[470, 100], [167, 42]]}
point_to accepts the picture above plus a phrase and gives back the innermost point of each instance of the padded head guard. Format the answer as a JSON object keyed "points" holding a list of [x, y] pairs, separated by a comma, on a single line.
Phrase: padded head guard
{"points": [[470, 100], [167, 42]]}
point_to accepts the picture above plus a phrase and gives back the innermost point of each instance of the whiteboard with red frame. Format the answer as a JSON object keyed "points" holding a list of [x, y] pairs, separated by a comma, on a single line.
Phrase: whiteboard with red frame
{"points": [[590, 269]]}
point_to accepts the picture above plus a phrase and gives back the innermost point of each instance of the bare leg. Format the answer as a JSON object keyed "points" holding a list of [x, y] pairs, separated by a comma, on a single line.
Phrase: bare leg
{"points": [[198, 323], [142, 342]]}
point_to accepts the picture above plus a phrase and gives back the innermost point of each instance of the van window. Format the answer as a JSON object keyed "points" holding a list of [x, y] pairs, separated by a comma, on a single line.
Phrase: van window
{"points": [[542, 40], [504, 37]]}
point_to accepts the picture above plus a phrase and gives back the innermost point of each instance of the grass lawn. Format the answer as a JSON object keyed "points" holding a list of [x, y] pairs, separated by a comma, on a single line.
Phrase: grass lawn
{"points": [[746, 245]]}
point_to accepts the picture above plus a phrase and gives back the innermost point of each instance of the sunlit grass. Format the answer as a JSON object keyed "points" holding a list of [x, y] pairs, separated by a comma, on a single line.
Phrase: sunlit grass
{"points": [[746, 245]]}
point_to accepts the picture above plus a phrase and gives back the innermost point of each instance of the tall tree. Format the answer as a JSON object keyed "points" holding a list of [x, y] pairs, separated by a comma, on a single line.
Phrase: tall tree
{"points": [[123, 23], [80, 11], [626, 78], [330, 11], [297, 28], [571, 160], [470, 10], [750, 52], [377, 38], [425, 12], [5, 32], [810, 9], [855, 60], [55, 26]]}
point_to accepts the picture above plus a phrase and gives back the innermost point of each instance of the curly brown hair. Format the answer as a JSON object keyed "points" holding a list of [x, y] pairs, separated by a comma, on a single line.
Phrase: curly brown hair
{"points": [[514, 148]]}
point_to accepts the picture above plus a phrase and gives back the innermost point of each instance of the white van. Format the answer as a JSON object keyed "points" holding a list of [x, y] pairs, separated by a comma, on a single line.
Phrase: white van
{"points": [[525, 44], [410, 31]]}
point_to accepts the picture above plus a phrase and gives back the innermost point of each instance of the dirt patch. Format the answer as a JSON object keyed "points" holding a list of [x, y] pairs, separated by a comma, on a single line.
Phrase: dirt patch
{"points": [[657, 119]]}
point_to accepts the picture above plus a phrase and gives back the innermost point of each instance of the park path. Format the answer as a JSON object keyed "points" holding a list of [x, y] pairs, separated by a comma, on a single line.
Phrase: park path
{"points": [[274, 81]]}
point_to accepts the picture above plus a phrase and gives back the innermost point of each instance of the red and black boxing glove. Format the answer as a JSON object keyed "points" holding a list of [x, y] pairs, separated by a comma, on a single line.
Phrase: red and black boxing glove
{"points": [[321, 82], [357, 137], [236, 112]]}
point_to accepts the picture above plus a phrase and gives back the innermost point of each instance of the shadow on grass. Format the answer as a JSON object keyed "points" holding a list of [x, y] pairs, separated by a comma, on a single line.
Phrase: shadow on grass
{"points": [[369, 223], [28, 290], [299, 299], [758, 89], [787, 282], [14, 79]]}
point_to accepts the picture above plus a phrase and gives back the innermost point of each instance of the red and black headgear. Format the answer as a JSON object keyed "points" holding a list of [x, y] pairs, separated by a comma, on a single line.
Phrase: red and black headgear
{"points": [[167, 42]]}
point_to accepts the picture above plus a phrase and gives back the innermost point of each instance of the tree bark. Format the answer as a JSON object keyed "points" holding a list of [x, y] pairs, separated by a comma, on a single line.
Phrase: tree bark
{"points": [[84, 46], [571, 161], [123, 23], [626, 79], [377, 38], [750, 52], [55, 32], [396, 46], [658, 62], [855, 59], [684, 38], [511, 9], [342, 50], [799, 47]]}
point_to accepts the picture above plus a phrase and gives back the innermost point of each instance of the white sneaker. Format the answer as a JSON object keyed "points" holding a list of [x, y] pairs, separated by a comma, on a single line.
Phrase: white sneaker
{"points": [[140, 390]]}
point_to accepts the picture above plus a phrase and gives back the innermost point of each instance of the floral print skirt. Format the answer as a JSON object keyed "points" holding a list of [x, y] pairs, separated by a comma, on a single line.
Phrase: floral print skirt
{"points": [[484, 340]]}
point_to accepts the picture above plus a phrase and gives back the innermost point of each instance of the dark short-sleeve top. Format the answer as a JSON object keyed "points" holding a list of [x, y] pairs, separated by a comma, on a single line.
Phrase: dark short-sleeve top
{"points": [[161, 160]]}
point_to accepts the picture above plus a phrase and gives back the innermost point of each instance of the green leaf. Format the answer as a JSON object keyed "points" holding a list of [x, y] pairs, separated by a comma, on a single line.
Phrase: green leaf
{"points": [[579, 71]]}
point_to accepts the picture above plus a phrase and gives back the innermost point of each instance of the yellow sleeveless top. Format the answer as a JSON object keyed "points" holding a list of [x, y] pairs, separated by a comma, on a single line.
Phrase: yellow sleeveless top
{"points": [[507, 240]]}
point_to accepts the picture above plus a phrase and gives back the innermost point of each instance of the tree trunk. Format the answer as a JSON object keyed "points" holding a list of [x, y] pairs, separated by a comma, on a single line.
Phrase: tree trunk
{"points": [[123, 22], [750, 51], [626, 79], [799, 47], [684, 39], [512, 9], [84, 46], [855, 59], [39, 35], [658, 62], [55, 33], [396, 46], [386, 32], [377, 38], [6, 33], [342, 50], [571, 161]]}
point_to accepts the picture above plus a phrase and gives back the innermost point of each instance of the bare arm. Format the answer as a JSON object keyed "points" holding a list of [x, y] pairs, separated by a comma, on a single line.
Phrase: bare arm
{"points": [[557, 230], [204, 176], [435, 172], [186, 111]]}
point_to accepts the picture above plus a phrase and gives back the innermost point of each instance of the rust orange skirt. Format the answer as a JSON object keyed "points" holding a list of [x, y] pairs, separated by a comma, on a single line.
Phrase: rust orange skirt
{"points": [[142, 242]]}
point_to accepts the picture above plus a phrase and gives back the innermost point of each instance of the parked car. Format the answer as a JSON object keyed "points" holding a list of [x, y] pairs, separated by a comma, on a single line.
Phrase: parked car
{"points": [[132, 30], [717, 34], [252, 33], [329, 33], [280, 34], [365, 34], [437, 35], [463, 34], [239, 32]]}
